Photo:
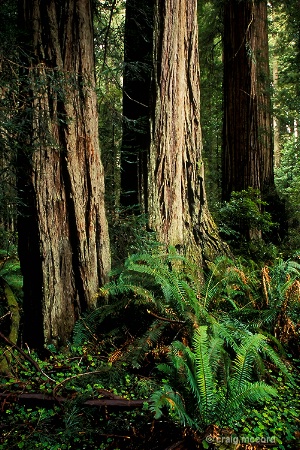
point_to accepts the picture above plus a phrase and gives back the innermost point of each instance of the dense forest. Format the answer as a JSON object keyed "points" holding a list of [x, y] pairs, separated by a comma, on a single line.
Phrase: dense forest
{"points": [[149, 224]]}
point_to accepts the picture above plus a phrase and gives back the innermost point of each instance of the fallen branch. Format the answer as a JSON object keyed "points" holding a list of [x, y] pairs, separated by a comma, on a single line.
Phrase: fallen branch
{"points": [[165, 319], [50, 399]]}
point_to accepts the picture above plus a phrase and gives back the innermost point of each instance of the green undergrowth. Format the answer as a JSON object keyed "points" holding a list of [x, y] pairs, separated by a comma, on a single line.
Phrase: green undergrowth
{"points": [[10, 275], [77, 376], [194, 355], [278, 418]]}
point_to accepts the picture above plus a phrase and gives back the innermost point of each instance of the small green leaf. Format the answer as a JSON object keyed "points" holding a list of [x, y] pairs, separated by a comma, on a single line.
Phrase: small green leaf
{"points": [[205, 444]]}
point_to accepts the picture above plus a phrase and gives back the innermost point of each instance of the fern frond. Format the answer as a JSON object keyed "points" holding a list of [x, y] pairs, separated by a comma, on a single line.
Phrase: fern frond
{"points": [[87, 325], [138, 350], [240, 399], [215, 352], [173, 401], [167, 369], [205, 379], [273, 356], [243, 362], [124, 287], [10, 272], [10, 266], [229, 334], [274, 340], [184, 359]]}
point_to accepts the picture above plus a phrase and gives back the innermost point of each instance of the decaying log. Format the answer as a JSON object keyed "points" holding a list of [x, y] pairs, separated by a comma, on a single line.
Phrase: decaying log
{"points": [[46, 399]]}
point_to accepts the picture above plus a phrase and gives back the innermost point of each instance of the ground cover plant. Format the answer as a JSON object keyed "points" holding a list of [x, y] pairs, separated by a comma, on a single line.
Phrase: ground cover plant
{"points": [[166, 351]]}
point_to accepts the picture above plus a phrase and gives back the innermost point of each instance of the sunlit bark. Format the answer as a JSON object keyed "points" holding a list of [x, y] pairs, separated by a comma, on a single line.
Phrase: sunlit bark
{"points": [[178, 209]]}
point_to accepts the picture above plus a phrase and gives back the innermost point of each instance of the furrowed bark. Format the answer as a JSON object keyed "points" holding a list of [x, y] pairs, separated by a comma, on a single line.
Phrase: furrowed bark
{"points": [[248, 146], [63, 235], [178, 209]]}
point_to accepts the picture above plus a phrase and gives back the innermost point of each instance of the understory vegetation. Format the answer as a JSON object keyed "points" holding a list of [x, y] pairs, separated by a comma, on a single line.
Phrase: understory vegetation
{"points": [[165, 358]]}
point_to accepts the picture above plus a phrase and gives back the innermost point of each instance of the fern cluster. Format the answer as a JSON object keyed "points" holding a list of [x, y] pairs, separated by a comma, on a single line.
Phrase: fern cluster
{"points": [[214, 383], [210, 340], [152, 296]]}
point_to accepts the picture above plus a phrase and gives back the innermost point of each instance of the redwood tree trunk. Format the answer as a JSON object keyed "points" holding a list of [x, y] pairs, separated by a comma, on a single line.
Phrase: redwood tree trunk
{"points": [[63, 235], [136, 97], [248, 149], [177, 206]]}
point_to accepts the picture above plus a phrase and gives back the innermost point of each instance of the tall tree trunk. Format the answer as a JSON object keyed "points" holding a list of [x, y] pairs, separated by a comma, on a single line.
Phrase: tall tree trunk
{"points": [[8, 106], [248, 148], [136, 97], [63, 236], [177, 206], [276, 123]]}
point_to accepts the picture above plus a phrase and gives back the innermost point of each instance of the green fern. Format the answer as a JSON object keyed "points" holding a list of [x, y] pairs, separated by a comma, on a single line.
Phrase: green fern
{"points": [[237, 402], [135, 353], [156, 298], [169, 285], [205, 379], [209, 395], [228, 284], [173, 401], [162, 283], [282, 275]]}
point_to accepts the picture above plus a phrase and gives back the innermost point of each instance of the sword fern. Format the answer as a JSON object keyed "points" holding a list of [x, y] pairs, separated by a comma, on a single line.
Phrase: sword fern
{"points": [[215, 382]]}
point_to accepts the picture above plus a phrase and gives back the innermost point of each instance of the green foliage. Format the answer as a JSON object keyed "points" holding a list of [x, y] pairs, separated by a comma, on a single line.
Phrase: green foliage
{"points": [[229, 286], [288, 185], [77, 376], [263, 299], [213, 343], [280, 311], [129, 235], [214, 383], [10, 271], [10, 280], [149, 298], [277, 417], [284, 45], [109, 49], [217, 380], [163, 291], [243, 211], [155, 294], [242, 216]]}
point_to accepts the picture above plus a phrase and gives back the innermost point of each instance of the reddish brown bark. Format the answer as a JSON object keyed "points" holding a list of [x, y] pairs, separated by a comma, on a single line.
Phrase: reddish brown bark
{"points": [[248, 148], [138, 53], [63, 236], [178, 209]]}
